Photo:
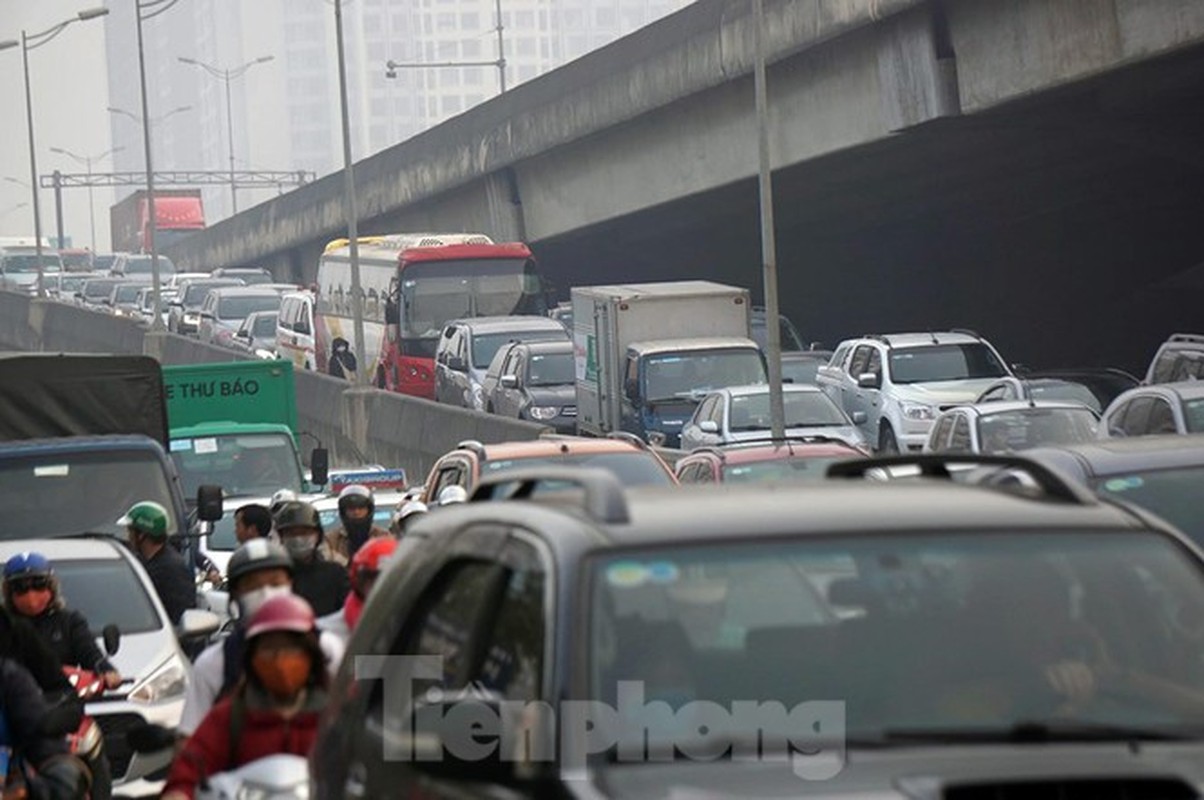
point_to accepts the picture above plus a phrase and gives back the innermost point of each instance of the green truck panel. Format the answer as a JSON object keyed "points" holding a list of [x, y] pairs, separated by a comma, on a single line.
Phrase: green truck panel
{"points": [[233, 392]]}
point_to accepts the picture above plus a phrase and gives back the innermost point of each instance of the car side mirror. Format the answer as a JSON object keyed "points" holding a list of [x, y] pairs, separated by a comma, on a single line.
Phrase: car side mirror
{"points": [[319, 466], [869, 380], [859, 418], [196, 623], [509, 381], [455, 363], [209, 503], [112, 638], [708, 426]]}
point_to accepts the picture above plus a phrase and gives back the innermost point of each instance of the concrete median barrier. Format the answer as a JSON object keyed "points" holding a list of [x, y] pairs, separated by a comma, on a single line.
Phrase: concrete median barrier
{"points": [[15, 331]]}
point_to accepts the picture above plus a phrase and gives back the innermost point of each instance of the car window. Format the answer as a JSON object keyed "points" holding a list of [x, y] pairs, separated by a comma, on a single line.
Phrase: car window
{"points": [[861, 357], [450, 474], [959, 439], [874, 364], [1164, 366], [108, 592], [1162, 418], [447, 614], [837, 359], [1188, 367], [513, 657], [940, 433], [718, 409], [704, 410], [1137, 417], [1000, 392], [1193, 412], [510, 366]]}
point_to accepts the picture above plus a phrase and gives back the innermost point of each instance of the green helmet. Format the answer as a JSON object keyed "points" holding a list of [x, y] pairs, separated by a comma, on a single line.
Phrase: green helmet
{"points": [[148, 518]]}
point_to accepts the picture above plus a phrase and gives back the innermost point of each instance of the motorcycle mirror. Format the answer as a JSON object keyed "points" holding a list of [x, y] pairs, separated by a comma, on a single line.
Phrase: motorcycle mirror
{"points": [[150, 738], [209, 503], [112, 638]]}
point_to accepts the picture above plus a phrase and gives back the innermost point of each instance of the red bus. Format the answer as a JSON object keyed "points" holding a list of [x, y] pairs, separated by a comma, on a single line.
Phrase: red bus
{"points": [[413, 285]]}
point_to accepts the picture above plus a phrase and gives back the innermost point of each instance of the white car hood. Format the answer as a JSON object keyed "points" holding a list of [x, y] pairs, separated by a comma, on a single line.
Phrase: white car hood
{"points": [[943, 392]]}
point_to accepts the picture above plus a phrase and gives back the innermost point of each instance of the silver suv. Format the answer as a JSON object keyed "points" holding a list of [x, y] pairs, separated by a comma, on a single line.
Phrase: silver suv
{"points": [[468, 346], [894, 386]]}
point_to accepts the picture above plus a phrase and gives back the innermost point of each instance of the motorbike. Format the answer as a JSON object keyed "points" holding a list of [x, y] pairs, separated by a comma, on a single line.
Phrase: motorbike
{"points": [[87, 740], [276, 777]]}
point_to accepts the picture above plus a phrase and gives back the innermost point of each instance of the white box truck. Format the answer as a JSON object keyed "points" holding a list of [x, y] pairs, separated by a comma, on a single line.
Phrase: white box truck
{"points": [[646, 353]]}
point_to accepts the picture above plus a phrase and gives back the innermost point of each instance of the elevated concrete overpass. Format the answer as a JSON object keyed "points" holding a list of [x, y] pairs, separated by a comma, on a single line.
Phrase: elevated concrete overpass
{"points": [[1031, 168]]}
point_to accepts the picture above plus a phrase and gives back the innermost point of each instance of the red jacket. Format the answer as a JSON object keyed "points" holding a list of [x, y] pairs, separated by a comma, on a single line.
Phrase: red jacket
{"points": [[264, 732]]}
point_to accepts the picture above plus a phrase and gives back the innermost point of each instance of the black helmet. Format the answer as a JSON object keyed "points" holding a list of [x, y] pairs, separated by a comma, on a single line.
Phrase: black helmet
{"points": [[297, 514], [255, 555]]}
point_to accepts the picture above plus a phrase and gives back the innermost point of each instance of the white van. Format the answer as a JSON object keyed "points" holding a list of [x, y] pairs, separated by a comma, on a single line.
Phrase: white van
{"points": [[295, 339]]}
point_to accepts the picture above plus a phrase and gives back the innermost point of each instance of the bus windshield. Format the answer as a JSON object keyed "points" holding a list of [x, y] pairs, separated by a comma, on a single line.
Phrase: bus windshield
{"points": [[434, 292]]}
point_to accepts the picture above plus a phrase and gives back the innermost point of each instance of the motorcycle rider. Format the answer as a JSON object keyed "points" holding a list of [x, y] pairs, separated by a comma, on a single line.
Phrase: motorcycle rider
{"points": [[366, 566], [274, 708], [146, 526], [24, 712], [356, 507], [257, 572], [252, 521], [32, 590], [322, 583]]}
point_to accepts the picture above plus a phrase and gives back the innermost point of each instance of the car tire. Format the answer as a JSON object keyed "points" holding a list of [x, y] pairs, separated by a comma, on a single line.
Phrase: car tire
{"points": [[888, 444]]}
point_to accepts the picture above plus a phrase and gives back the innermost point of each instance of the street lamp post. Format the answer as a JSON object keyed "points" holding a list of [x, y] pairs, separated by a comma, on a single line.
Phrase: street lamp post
{"points": [[87, 162], [357, 293], [227, 75], [152, 9], [29, 42], [392, 66]]}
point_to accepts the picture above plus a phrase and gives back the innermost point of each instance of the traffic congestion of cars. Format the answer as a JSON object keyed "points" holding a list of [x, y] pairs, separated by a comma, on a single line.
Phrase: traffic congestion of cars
{"points": [[951, 577]]}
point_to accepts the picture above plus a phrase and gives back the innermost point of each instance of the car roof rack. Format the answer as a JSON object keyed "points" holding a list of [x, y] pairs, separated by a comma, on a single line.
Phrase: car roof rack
{"points": [[474, 446], [936, 465], [604, 499], [965, 332], [1196, 338]]}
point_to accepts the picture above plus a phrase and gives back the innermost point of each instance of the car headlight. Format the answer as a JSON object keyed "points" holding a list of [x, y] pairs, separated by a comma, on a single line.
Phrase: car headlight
{"points": [[918, 412], [543, 412], [192, 319], [168, 681]]}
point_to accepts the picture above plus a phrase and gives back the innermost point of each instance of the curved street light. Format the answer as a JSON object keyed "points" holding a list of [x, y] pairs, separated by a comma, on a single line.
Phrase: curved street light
{"points": [[228, 74], [87, 161], [31, 42]]}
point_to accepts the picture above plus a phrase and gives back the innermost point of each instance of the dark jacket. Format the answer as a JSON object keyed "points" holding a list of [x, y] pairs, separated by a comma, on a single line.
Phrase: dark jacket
{"points": [[24, 709], [20, 642], [173, 580], [67, 633], [323, 584]]}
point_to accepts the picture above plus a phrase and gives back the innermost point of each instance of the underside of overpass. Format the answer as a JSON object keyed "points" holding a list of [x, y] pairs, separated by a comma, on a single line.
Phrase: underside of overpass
{"points": [[1064, 227]]}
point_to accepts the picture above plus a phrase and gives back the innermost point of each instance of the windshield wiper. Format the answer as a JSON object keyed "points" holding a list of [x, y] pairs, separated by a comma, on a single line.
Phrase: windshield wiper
{"points": [[1030, 731]]}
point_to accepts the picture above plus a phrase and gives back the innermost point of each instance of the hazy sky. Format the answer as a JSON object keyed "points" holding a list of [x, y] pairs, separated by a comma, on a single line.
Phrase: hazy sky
{"points": [[70, 93]]}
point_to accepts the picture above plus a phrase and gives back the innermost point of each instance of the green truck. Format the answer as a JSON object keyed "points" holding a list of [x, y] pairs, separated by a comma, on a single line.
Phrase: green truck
{"points": [[235, 424]]}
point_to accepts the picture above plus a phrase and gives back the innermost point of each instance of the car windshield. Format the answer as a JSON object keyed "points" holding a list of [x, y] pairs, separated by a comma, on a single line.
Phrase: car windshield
{"points": [[265, 326], [29, 263], [1173, 494], [253, 278], [103, 263], [235, 307], [98, 290], [69, 284], [107, 592], [1065, 392], [141, 265], [550, 369], [195, 293], [750, 412], [802, 370], [249, 464], [76, 262], [486, 345], [908, 631], [435, 292], [1034, 427], [632, 469], [944, 362], [73, 493], [693, 373], [781, 469], [1193, 413], [126, 294], [789, 337]]}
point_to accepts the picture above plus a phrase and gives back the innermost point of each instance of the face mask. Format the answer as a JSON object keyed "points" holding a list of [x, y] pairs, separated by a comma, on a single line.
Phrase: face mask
{"points": [[250, 602], [32, 603], [284, 673], [301, 547]]}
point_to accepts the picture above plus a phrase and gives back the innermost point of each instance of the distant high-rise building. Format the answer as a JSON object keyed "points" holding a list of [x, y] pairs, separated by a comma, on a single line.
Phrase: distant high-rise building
{"points": [[286, 112]]}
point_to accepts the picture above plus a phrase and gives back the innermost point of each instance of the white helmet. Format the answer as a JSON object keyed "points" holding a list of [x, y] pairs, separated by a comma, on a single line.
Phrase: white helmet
{"points": [[281, 497], [404, 510], [452, 494]]}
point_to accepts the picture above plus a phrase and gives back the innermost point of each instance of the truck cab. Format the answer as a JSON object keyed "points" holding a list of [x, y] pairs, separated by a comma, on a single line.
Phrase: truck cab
{"points": [[663, 381]]}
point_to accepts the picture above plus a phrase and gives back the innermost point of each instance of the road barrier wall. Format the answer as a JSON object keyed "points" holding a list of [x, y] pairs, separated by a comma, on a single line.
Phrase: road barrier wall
{"points": [[358, 425]]}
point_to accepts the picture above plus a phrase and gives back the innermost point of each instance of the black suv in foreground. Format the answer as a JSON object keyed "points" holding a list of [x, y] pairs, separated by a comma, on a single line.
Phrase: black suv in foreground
{"points": [[903, 639]]}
